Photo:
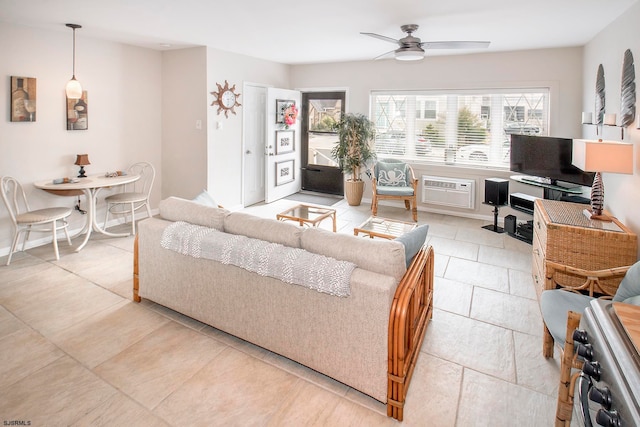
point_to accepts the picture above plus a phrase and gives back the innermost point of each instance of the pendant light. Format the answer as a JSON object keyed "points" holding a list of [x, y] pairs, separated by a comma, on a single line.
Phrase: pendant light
{"points": [[74, 89]]}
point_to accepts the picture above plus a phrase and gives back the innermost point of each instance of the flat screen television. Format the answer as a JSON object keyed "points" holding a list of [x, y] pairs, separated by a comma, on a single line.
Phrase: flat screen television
{"points": [[548, 158]]}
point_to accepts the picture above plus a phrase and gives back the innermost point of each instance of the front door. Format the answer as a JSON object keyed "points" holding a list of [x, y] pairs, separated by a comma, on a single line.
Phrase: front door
{"points": [[282, 171], [320, 171]]}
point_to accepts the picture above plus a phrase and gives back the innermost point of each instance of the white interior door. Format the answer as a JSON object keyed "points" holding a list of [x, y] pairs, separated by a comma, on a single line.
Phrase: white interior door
{"points": [[253, 158], [282, 170]]}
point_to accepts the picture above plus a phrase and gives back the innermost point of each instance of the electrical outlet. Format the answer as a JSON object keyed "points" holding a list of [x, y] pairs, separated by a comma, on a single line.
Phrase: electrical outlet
{"points": [[199, 124]]}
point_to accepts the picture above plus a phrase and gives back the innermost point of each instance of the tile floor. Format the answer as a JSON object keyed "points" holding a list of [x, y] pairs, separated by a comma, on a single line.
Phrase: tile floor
{"points": [[75, 350]]}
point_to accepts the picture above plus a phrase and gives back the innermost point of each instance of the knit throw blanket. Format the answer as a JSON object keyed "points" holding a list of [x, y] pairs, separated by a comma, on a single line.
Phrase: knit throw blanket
{"points": [[291, 265]]}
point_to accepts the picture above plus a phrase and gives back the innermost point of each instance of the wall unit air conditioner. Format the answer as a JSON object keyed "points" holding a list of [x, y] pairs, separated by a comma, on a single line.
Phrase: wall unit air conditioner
{"points": [[454, 192]]}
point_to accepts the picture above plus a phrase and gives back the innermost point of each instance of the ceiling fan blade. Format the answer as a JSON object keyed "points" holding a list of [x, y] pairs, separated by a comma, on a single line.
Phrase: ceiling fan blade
{"points": [[378, 36], [455, 45], [385, 55]]}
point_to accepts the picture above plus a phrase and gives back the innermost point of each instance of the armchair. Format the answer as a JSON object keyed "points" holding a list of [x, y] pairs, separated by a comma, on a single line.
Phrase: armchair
{"points": [[394, 179], [562, 310]]}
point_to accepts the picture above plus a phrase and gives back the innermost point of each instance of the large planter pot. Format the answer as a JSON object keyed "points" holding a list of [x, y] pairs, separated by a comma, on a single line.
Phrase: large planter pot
{"points": [[354, 191]]}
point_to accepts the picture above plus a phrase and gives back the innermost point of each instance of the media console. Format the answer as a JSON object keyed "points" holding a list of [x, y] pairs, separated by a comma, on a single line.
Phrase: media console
{"points": [[522, 202], [525, 203], [551, 191]]}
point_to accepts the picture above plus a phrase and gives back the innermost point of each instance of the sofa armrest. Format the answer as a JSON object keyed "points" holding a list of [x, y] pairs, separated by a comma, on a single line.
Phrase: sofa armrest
{"points": [[410, 312]]}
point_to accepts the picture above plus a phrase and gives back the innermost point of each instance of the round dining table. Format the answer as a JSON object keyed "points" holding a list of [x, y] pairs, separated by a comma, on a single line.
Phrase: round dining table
{"points": [[90, 187]]}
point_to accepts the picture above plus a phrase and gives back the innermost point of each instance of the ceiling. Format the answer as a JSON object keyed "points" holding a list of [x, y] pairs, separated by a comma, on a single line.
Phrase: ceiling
{"points": [[299, 32]]}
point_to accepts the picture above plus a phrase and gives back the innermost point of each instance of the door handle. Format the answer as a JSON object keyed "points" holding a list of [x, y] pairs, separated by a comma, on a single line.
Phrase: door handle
{"points": [[312, 169], [248, 152]]}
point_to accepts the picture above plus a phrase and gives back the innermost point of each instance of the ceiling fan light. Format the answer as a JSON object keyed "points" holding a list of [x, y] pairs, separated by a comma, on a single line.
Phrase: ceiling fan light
{"points": [[409, 54]]}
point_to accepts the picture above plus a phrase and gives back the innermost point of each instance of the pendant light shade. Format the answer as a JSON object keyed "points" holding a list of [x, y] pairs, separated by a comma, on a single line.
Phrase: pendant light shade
{"points": [[74, 88]]}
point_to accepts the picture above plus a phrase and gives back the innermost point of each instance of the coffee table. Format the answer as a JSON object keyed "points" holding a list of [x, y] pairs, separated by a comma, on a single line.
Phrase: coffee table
{"points": [[308, 214], [384, 228]]}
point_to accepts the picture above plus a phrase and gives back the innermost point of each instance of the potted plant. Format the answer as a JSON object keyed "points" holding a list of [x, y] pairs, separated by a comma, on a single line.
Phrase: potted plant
{"points": [[353, 151]]}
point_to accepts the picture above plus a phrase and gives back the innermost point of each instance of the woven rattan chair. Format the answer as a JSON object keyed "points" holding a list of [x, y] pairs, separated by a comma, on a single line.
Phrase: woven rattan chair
{"points": [[562, 310], [394, 179], [26, 220], [134, 196]]}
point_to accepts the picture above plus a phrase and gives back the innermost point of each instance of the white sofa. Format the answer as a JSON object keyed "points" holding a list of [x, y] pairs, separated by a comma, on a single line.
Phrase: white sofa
{"points": [[368, 340]]}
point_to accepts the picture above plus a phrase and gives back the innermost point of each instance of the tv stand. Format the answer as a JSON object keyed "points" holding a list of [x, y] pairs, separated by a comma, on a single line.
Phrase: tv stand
{"points": [[535, 180], [550, 190]]}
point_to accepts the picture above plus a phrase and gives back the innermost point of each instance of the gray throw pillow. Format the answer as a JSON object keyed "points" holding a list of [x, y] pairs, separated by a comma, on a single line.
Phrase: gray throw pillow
{"points": [[630, 285], [393, 174], [413, 241]]}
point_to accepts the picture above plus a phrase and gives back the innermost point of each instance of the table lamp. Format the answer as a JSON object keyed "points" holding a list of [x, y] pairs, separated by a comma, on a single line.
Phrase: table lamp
{"points": [[82, 160], [601, 156]]}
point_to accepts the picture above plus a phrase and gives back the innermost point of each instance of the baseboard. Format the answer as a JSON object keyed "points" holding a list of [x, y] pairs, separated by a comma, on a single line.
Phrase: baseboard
{"points": [[46, 240]]}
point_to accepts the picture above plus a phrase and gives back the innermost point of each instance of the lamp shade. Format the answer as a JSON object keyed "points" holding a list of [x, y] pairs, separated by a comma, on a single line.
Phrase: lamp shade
{"points": [[73, 89], [603, 156], [82, 160]]}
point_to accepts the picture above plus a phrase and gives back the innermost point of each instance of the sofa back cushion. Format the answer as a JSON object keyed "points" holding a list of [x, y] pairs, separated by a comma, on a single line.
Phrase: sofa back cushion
{"points": [[267, 229], [377, 255], [178, 209]]}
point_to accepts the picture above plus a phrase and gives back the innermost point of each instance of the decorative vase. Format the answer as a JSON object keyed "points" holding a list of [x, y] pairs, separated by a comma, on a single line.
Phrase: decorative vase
{"points": [[597, 195], [354, 191]]}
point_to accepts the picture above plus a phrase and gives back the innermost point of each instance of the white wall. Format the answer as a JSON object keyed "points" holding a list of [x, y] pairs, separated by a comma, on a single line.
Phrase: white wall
{"points": [[622, 192], [184, 102], [211, 157], [225, 142], [558, 69], [123, 84]]}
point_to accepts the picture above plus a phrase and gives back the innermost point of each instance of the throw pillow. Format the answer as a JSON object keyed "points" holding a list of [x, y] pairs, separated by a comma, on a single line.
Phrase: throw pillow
{"points": [[413, 241], [204, 198], [393, 174], [630, 285]]}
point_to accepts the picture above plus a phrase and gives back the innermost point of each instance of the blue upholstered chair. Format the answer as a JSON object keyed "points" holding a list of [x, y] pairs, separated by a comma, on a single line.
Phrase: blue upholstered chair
{"points": [[556, 303], [562, 310], [394, 179]]}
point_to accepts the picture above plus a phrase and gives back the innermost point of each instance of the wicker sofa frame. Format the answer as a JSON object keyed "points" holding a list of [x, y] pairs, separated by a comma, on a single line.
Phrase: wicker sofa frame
{"points": [[412, 308]]}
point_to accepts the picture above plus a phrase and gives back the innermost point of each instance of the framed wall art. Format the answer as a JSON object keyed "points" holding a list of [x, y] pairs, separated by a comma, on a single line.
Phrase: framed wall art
{"points": [[284, 172], [23, 99], [285, 141], [77, 113], [281, 105]]}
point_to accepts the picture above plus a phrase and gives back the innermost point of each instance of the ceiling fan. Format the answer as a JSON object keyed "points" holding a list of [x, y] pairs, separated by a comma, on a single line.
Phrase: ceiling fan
{"points": [[412, 49]]}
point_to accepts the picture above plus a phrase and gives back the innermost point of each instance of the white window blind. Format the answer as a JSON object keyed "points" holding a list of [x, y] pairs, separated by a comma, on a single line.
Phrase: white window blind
{"points": [[457, 127]]}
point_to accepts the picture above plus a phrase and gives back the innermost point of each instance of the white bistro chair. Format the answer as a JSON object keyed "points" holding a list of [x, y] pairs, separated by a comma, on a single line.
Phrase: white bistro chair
{"points": [[134, 195], [24, 219]]}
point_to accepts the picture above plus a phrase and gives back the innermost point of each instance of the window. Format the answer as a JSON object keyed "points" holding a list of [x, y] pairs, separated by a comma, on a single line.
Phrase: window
{"points": [[427, 109], [457, 127]]}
